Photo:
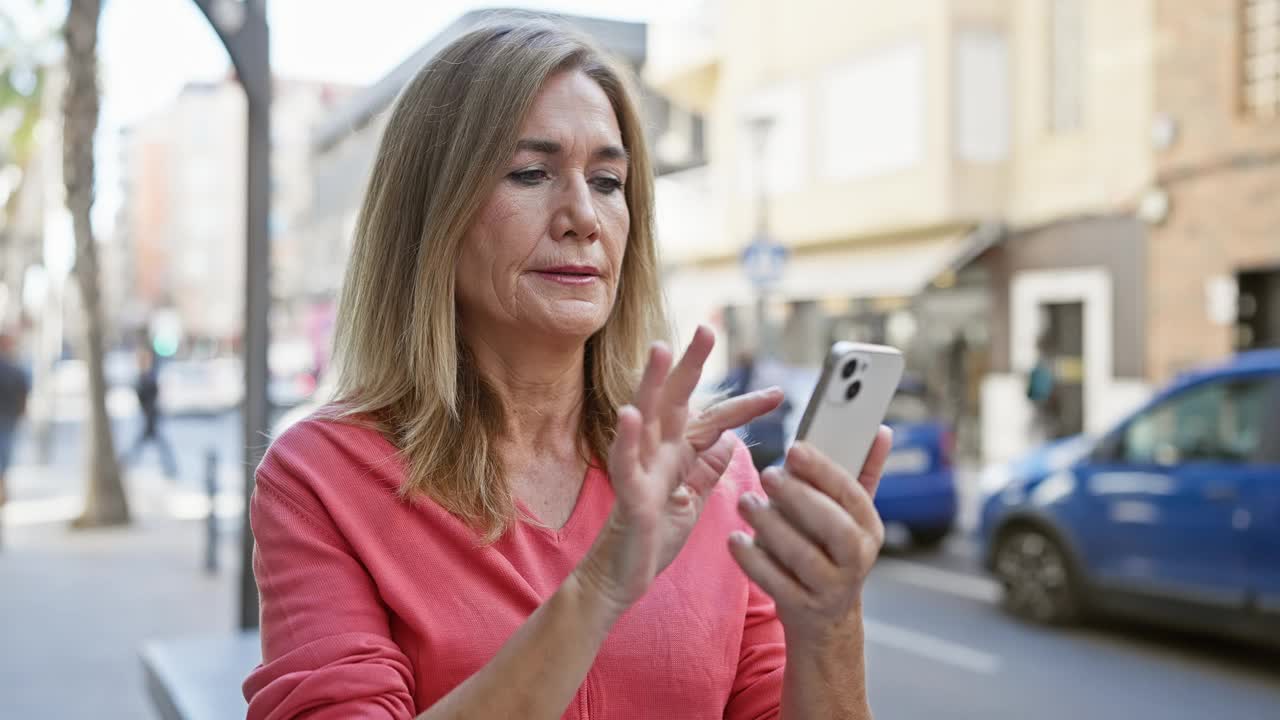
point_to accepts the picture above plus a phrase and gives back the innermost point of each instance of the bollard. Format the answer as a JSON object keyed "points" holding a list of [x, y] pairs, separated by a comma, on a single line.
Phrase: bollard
{"points": [[211, 522]]}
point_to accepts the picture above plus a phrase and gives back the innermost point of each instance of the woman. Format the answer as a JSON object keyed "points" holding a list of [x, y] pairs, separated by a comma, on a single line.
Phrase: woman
{"points": [[481, 526]]}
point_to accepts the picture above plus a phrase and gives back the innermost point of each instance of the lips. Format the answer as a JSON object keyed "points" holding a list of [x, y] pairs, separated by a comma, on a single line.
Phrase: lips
{"points": [[578, 270], [569, 274]]}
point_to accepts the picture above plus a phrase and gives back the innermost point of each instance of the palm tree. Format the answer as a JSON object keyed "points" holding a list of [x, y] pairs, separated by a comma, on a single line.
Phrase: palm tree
{"points": [[105, 502]]}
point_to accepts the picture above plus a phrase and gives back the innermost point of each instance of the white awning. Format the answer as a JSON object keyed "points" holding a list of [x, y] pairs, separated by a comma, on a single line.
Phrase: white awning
{"points": [[893, 269]]}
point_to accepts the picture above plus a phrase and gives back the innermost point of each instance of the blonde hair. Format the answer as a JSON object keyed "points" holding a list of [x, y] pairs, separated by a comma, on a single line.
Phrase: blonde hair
{"points": [[401, 361]]}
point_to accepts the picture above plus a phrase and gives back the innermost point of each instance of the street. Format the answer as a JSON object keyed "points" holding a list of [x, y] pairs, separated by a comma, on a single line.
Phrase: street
{"points": [[938, 644], [939, 647]]}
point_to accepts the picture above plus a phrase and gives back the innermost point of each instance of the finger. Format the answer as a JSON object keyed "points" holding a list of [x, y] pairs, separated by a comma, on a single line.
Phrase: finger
{"points": [[811, 465], [873, 468], [765, 571], [728, 414], [791, 548], [673, 405], [814, 513], [647, 395], [624, 454], [711, 464]]}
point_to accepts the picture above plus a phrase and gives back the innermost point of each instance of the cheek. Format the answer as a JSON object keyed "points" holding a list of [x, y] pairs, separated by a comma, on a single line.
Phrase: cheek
{"points": [[618, 220], [497, 245]]}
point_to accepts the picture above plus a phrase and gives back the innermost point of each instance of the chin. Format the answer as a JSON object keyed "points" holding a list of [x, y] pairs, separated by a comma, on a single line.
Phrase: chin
{"points": [[576, 323]]}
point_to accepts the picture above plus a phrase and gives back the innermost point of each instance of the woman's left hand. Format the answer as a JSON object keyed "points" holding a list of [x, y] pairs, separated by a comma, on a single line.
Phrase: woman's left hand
{"points": [[817, 534]]}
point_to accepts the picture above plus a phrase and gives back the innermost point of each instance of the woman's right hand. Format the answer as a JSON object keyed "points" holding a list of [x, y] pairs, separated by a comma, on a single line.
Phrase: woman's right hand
{"points": [[663, 465]]}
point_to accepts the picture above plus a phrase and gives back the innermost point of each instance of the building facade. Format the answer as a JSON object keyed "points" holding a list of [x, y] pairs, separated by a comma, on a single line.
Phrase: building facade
{"points": [[183, 215], [982, 182]]}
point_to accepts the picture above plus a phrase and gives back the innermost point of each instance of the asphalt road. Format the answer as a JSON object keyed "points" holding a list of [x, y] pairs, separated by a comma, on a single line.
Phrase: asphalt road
{"points": [[940, 647]]}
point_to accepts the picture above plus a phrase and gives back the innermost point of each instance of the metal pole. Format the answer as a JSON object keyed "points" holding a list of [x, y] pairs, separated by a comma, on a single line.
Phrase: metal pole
{"points": [[242, 27], [760, 127], [257, 305], [211, 522]]}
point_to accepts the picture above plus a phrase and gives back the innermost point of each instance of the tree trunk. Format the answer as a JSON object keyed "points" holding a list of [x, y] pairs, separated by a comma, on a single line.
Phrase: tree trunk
{"points": [[105, 502]]}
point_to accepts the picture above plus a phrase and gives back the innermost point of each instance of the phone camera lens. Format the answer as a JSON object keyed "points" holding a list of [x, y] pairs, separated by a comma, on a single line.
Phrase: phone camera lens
{"points": [[849, 369], [853, 390]]}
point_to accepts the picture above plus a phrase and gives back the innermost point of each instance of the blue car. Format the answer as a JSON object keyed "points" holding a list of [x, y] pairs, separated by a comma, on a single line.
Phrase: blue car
{"points": [[918, 489], [1173, 516]]}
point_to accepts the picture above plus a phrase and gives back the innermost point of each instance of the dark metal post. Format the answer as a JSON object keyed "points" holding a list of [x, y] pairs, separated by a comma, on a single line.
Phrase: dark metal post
{"points": [[211, 522], [242, 27], [760, 127]]}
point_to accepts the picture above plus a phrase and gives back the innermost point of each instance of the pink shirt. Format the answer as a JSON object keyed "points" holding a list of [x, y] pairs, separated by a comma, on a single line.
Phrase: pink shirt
{"points": [[373, 607]]}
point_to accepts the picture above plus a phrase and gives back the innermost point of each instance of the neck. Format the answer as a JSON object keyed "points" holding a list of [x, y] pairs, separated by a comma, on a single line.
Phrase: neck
{"points": [[541, 389]]}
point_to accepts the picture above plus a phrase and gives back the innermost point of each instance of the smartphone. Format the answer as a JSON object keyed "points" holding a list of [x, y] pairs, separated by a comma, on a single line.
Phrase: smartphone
{"points": [[850, 401]]}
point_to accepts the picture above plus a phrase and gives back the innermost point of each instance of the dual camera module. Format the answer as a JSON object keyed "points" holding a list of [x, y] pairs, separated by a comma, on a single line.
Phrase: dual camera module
{"points": [[850, 370]]}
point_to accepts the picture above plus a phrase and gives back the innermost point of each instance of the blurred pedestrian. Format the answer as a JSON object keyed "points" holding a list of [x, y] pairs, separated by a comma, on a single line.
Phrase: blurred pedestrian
{"points": [[148, 389], [14, 389], [496, 518], [1042, 392]]}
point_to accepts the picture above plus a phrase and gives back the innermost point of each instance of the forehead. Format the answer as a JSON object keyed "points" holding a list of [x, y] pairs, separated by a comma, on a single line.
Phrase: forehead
{"points": [[572, 103]]}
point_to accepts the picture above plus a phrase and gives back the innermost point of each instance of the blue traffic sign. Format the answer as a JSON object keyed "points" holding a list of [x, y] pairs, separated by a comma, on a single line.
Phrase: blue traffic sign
{"points": [[764, 262]]}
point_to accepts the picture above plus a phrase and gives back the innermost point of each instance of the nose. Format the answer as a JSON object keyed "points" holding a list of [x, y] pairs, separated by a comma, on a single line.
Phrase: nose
{"points": [[575, 217]]}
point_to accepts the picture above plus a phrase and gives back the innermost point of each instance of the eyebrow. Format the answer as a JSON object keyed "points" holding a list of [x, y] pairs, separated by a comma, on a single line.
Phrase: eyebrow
{"points": [[551, 147]]}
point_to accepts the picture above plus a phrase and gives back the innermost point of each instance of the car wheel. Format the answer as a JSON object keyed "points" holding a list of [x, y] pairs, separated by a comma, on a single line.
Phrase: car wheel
{"points": [[1037, 577], [928, 538]]}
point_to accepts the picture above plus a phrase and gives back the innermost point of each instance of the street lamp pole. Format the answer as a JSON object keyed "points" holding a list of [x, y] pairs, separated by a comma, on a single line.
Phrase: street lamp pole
{"points": [[242, 27], [760, 126]]}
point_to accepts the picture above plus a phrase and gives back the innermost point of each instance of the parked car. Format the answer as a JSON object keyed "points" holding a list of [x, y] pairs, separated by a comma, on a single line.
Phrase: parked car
{"points": [[918, 488], [201, 386], [1172, 516]]}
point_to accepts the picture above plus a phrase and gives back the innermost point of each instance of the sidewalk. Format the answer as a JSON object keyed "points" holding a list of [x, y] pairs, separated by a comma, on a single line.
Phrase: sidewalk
{"points": [[75, 607]]}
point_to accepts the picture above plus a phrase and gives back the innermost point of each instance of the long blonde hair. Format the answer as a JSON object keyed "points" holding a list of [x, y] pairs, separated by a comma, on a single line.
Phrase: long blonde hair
{"points": [[400, 358]]}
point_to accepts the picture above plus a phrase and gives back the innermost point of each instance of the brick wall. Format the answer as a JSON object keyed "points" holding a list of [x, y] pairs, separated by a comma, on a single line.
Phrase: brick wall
{"points": [[1222, 174]]}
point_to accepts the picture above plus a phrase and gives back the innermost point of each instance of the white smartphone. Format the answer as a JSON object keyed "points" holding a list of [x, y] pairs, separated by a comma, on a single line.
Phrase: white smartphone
{"points": [[850, 401]]}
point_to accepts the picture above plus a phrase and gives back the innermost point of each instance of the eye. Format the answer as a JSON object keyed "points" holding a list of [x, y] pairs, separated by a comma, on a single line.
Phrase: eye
{"points": [[607, 184], [533, 176]]}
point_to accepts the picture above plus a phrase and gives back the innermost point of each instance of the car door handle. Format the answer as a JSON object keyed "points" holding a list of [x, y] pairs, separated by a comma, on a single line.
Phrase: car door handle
{"points": [[1221, 492]]}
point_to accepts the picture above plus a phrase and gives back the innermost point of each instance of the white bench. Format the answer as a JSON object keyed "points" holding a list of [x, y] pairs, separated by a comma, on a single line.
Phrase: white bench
{"points": [[198, 678]]}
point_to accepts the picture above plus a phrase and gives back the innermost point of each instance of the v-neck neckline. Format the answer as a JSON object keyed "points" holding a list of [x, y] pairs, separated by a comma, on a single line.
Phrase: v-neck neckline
{"points": [[581, 505]]}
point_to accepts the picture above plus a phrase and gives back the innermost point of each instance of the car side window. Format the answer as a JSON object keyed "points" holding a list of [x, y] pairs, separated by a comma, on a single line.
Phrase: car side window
{"points": [[1218, 421]]}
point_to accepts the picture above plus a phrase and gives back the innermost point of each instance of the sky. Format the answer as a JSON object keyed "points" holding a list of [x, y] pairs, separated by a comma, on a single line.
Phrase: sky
{"points": [[150, 48]]}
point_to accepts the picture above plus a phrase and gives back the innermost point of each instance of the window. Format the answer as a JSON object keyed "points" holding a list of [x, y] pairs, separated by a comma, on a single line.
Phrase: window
{"points": [[1066, 65], [1219, 422], [982, 96], [872, 113], [1260, 74]]}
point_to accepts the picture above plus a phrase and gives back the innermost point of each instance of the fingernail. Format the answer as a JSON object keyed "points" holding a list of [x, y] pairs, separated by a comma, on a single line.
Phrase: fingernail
{"points": [[800, 451], [754, 501], [737, 537], [771, 476]]}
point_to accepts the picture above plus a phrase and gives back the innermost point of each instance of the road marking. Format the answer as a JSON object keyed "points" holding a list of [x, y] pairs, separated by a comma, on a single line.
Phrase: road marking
{"points": [[946, 581], [931, 648]]}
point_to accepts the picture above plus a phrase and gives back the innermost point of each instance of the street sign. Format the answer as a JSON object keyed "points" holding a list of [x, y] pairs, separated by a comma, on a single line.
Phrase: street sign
{"points": [[764, 262]]}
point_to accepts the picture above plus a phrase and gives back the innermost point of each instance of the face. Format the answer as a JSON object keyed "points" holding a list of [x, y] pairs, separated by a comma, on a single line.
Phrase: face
{"points": [[545, 252]]}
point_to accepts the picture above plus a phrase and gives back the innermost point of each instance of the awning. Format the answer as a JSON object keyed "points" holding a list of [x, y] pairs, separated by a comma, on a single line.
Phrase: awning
{"points": [[884, 270]]}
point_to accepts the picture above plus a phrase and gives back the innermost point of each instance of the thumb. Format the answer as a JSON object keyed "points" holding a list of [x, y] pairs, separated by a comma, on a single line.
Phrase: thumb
{"points": [[710, 464], [873, 468]]}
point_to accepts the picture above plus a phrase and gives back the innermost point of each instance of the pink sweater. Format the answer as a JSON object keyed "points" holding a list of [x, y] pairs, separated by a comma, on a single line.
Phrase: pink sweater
{"points": [[373, 607]]}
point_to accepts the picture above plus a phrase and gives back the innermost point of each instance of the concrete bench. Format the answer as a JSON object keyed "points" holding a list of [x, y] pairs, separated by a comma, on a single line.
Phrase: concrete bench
{"points": [[198, 678]]}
